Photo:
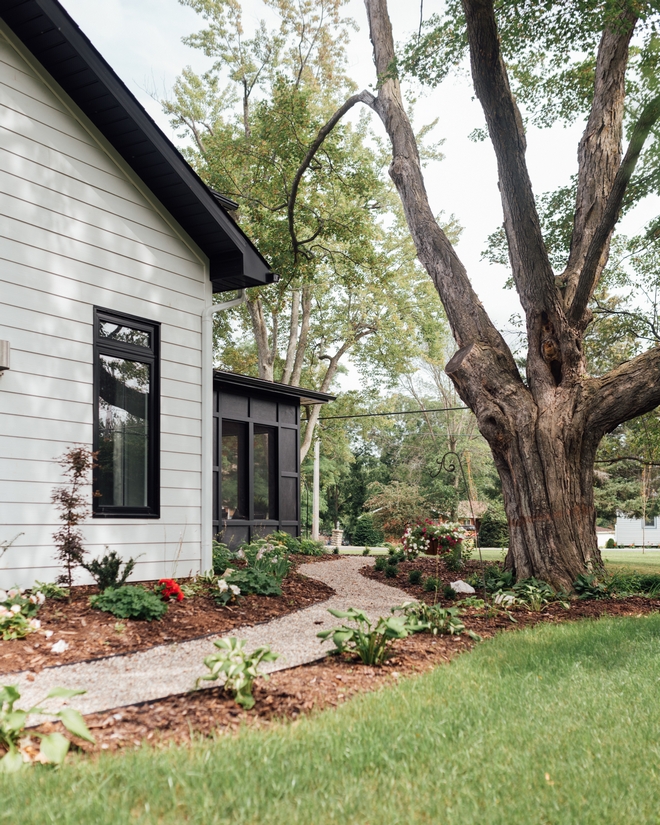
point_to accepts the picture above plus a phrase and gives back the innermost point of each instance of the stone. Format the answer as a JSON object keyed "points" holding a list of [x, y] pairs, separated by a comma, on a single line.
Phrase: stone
{"points": [[462, 587]]}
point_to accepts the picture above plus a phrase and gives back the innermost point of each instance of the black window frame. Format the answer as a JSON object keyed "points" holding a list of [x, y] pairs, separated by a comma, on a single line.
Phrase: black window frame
{"points": [[146, 355]]}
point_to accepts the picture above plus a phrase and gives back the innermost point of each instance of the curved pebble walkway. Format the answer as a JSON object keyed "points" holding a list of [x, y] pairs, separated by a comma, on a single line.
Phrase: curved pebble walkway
{"points": [[169, 669]]}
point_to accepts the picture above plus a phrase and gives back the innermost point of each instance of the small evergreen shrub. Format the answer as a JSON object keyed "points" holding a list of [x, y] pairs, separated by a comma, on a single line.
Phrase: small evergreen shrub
{"points": [[448, 592], [415, 576], [391, 571], [431, 583], [130, 602], [366, 532], [106, 572], [494, 528], [381, 563], [610, 543]]}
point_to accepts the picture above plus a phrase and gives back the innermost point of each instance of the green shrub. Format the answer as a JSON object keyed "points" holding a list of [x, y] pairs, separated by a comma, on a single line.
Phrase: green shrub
{"points": [[106, 572], [238, 667], [610, 543], [494, 528], [306, 547], [391, 571], [130, 602], [454, 560], [395, 556], [588, 586], [438, 620], [381, 563], [222, 557], [50, 590], [415, 576], [370, 641], [251, 580], [448, 592], [366, 532], [431, 583]]}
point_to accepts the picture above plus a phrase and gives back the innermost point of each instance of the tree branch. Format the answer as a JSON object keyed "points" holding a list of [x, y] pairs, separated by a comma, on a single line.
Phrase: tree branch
{"points": [[465, 313], [361, 97], [531, 269], [599, 151], [293, 337], [626, 392], [593, 262]]}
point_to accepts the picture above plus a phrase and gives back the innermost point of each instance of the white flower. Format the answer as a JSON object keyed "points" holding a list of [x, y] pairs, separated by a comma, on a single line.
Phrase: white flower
{"points": [[235, 589], [13, 593], [40, 597], [5, 611], [3, 596], [59, 647], [223, 586], [48, 633], [35, 623], [15, 608]]}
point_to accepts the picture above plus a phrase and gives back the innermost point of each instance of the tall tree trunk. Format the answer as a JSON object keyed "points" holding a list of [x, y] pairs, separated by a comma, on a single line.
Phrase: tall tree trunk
{"points": [[544, 433]]}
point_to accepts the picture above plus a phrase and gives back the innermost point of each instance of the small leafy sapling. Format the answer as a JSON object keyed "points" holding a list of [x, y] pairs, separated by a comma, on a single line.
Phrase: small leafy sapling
{"points": [[20, 749], [72, 502]]}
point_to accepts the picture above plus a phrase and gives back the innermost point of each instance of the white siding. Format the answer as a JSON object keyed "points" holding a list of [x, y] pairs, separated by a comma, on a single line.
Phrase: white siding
{"points": [[78, 230], [633, 532]]}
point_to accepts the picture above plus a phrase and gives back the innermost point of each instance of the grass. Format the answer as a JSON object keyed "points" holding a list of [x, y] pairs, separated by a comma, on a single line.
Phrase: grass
{"points": [[557, 724]]}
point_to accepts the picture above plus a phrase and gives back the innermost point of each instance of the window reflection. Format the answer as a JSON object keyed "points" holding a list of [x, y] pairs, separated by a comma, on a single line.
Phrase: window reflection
{"points": [[127, 335], [124, 388], [234, 476], [265, 468]]}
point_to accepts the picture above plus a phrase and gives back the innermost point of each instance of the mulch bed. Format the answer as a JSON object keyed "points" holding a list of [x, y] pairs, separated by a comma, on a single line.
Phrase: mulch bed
{"points": [[92, 634], [291, 693]]}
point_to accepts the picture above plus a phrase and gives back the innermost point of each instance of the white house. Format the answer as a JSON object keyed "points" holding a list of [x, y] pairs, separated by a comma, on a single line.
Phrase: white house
{"points": [[637, 532], [111, 248]]}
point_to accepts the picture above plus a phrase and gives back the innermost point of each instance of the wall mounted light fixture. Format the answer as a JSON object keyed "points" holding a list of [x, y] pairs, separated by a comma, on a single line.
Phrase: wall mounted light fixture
{"points": [[5, 350]]}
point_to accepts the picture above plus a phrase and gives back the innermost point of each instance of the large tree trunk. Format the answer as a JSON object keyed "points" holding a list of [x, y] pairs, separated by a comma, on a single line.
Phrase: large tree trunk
{"points": [[544, 432]]}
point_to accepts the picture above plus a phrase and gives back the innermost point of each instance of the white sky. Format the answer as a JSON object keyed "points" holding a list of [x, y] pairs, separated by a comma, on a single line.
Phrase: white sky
{"points": [[141, 39]]}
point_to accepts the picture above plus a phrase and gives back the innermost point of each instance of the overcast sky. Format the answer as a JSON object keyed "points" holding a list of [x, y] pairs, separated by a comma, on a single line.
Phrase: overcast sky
{"points": [[141, 39]]}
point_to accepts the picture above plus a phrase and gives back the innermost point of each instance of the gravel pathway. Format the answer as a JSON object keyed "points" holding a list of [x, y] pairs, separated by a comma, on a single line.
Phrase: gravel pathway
{"points": [[169, 669]]}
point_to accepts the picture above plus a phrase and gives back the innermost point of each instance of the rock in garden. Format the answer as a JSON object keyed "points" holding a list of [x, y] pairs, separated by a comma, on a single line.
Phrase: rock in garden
{"points": [[462, 587]]}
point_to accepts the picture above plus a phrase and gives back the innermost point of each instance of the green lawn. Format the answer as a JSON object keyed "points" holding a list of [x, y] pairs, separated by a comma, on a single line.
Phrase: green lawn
{"points": [[616, 559], [558, 724]]}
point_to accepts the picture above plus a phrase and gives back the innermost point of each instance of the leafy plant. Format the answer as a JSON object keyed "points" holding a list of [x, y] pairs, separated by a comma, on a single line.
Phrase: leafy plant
{"points": [[53, 747], [251, 580], [366, 551], [448, 592], [610, 543], [73, 507], [438, 620], [471, 601], [130, 602], [107, 572], [17, 612], [415, 576], [537, 594], [303, 546], [222, 557], [366, 532], [454, 559], [588, 586], [239, 668], [431, 584], [381, 563], [51, 590], [391, 571], [495, 578], [370, 641], [395, 556]]}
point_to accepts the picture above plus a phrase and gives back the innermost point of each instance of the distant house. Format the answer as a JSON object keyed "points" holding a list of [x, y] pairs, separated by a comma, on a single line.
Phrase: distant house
{"points": [[637, 532], [471, 513], [112, 249]]}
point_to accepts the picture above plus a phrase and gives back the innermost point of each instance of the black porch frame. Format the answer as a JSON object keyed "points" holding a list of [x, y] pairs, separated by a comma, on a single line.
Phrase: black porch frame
{"points": [[244, 404]]}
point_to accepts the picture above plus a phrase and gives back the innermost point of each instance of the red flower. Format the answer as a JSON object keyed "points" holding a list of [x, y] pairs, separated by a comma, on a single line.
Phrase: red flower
{"points": [[168, 588]]}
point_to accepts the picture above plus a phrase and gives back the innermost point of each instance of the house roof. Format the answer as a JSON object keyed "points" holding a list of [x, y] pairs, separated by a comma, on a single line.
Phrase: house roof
{"points": [[234, 380], [56, 41]]}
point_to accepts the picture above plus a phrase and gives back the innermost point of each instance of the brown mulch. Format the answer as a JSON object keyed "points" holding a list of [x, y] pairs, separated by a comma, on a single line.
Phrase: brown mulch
{"points": [[292, 693], [92, 634]]}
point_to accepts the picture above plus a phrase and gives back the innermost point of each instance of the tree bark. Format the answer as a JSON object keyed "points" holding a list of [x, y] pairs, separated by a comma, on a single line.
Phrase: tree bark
{"points": [[543, 434]]}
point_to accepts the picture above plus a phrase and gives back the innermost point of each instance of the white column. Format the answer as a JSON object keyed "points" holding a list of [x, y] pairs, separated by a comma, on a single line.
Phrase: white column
{"points": [[316, 491]]}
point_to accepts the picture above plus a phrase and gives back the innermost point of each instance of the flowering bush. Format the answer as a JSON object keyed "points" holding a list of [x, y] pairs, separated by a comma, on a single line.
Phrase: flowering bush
{"points": [[169, 589], [226, 592], [17, 612], [445, 536]]}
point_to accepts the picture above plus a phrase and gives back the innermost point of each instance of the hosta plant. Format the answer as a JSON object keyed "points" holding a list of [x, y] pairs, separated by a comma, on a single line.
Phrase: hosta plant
{"points": [[17, 613], [22, 749], [437, 620], [238, 667], [368, 639]]}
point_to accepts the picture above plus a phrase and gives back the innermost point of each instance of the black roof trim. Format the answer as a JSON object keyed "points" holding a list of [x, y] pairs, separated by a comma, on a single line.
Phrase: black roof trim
{"points": [[246, 382], [57, 42]]}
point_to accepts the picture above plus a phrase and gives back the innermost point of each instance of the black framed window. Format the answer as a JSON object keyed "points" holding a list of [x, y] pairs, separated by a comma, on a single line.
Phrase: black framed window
{"points": [[126, 415], [234, 470], [264, 462]]}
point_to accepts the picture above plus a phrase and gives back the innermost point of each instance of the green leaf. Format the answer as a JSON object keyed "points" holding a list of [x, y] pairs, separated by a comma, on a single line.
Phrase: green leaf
{"points": [[74, 723], [14, 721], [64, 693], [55, 748], [9, 694], [11, 762]]}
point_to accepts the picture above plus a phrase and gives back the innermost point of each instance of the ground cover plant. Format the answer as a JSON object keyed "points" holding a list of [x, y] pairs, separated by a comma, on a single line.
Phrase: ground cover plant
{"points": [[238, 667], [18, 611], [589, 696], [369, 640], [130, 602]]}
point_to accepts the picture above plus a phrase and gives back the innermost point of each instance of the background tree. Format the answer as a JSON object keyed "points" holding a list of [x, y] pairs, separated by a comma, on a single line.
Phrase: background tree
{"points": [[312, 194]]}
